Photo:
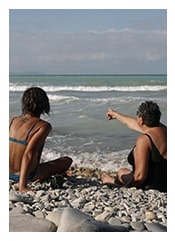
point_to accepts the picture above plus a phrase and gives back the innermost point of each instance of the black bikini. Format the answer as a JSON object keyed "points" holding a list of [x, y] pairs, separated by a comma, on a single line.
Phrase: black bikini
{"points": [[157, 170]]}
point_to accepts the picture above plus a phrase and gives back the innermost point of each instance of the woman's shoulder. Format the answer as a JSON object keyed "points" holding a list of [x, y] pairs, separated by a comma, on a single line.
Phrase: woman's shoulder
{"points": [[158, 131], [162, 127], [44, 123], [13, 118], [143, 140]]}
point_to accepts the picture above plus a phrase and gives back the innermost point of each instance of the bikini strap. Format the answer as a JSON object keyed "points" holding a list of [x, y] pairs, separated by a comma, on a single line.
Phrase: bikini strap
{"points": [[31, 128], [149, 137], [28, 133], [11, 122], [152, 143]]}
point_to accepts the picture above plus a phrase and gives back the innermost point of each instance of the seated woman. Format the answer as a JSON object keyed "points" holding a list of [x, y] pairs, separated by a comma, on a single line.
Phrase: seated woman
{"points": [[27, 137], [148, 158]]}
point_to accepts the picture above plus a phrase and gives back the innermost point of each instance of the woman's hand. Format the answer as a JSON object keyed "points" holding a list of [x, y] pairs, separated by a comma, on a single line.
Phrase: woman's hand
{"points": [[110, 114], [26, 190]]}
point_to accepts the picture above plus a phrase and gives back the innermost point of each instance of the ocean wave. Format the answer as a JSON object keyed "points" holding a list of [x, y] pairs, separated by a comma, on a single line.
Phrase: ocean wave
{"points": [[62, 98], [105, 161], [14, 87], [67, 99]]}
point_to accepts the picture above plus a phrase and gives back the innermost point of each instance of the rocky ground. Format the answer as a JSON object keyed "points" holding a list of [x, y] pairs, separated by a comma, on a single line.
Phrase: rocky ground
{"points": [[84, 204]]}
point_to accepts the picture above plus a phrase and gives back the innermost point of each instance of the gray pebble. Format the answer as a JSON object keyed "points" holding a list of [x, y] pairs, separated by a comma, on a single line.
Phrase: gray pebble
{"points": [[138, 226], [131, 208]]}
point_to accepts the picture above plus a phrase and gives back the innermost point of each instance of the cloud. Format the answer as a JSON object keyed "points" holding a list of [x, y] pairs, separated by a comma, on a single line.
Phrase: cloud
{"points": [[110, 50]]}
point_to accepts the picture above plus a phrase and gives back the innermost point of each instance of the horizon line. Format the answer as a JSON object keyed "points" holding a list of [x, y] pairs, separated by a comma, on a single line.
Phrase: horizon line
{"points": [[42, 74]]}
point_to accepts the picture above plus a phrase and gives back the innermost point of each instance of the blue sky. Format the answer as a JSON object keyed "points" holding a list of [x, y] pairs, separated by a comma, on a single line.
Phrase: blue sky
{"points": [[70, 41]]}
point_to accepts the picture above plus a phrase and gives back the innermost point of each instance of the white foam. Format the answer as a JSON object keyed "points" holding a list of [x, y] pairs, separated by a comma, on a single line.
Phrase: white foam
{"points": [[104, 161], [14, 87], [62, 97]]}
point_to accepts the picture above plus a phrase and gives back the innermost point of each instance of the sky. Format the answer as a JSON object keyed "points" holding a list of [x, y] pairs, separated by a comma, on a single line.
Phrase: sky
{"points": [[88, 41]]}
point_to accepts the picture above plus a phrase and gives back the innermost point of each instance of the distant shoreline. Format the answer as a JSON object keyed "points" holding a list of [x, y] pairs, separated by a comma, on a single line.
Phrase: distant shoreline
{"points": [[87, 74]]}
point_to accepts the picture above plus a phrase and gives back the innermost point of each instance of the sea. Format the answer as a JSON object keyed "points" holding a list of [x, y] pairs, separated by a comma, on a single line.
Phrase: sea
{"points": [[79, 104]]}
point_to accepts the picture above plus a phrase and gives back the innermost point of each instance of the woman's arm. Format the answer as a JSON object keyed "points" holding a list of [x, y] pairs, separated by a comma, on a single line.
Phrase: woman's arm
{"points": [[30, 157], [127, 120], [141, 160]]}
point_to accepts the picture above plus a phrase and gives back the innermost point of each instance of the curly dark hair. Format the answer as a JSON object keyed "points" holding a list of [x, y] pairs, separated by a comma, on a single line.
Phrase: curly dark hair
{"points": [[150, 113], [35, 102]]}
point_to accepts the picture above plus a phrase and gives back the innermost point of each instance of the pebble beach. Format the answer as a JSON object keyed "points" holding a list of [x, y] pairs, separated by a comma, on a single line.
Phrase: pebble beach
{"points": [[84, 204]]}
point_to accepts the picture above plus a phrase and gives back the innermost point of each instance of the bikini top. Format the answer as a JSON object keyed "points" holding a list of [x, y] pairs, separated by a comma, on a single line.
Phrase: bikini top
{"points": [[24, 141]]}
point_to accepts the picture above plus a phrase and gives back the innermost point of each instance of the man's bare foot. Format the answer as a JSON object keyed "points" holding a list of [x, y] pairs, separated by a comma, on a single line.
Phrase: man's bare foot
{"points": [[106, 178]]}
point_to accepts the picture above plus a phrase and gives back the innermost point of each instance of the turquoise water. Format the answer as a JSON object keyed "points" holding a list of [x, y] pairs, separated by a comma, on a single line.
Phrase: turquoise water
{"points": [[78, 113]]}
